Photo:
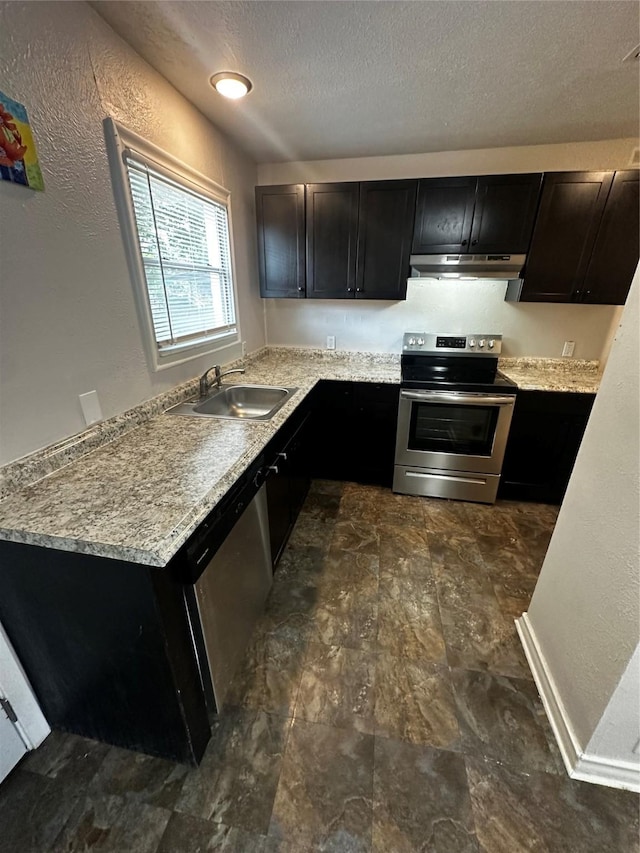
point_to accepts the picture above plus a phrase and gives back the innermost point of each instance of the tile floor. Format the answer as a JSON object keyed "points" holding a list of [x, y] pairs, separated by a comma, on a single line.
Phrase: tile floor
{"points": [[385, 706]]}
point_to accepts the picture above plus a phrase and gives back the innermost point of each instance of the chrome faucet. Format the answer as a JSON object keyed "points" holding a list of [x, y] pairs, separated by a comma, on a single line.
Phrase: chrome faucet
{"points": [[205, 387]]}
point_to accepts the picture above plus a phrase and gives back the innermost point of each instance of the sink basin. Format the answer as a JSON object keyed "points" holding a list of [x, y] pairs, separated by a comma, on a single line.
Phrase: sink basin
{"points": [[237, 402]]}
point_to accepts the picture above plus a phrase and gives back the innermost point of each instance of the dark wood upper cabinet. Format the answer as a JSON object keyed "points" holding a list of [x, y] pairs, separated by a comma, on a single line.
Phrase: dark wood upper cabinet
{"points": [[568, 220], [281, 240], [476, 215], [443, 215], [354, 240], [332, 235], [385, 225], [505, 210], [617, 246]]}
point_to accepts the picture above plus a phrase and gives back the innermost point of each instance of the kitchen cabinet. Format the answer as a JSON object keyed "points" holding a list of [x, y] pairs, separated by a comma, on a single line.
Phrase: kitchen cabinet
{"points": [[617, 246], [332, 240], [585, 241], [544, 439], [280, 216], [107, 649], [358, 240], [354, 431], [476, 215], [287, 481], [385, 222]]}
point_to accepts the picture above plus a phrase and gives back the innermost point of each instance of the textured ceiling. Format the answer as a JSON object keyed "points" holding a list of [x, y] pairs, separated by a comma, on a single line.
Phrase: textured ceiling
{"points": [[350, 79]]}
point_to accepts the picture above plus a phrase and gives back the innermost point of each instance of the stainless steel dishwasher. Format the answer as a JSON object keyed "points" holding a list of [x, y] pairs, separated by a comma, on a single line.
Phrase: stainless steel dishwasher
{"points": [[228, 597]]}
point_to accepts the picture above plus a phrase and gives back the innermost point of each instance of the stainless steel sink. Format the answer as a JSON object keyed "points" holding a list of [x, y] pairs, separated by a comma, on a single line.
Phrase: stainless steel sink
{"points": [[237, 402]]}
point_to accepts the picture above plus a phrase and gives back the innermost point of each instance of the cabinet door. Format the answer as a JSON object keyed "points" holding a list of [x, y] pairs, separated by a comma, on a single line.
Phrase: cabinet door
{"points": [[279, 508], [332, 232], [332, 445], [615, 254], [504, 213], [563, 237], [443, 215], [281, 240], [298, 466], [385, 225], [375, 421], [544, 439]]}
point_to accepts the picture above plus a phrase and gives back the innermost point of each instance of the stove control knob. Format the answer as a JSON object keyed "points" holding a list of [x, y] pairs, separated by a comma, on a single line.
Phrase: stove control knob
{"points": [[481, 343], [492, 344], [420, 342], [412, 341], [472, 342]]}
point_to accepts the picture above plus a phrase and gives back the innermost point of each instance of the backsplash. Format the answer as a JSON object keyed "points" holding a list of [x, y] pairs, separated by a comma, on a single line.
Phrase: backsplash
{"points": [[533, 329]]}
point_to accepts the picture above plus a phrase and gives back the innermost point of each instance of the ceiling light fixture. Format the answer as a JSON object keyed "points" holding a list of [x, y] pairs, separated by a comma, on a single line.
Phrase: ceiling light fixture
{"points": [[229, 84]]}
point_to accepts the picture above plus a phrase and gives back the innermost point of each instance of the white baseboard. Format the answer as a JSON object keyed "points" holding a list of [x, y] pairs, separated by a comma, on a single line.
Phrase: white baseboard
{"points": [[587, 768]]}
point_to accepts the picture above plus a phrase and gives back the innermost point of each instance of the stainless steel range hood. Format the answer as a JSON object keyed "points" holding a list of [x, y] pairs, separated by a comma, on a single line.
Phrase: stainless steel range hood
{"points": [[467, 266]]}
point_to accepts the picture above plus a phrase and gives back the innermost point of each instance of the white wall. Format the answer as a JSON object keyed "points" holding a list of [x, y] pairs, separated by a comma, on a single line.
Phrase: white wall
{"points": [[570, 156], [585, 611], [68, 322], [378, 326], [619, 726], [431, 305]]}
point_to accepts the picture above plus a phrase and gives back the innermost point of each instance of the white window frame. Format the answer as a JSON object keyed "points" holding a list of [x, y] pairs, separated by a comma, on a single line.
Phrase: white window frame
{"points": [[120, 142]]}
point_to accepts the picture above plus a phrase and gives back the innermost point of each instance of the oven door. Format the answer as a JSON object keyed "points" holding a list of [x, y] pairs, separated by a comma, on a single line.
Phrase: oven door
{"points": [[456, 431]]}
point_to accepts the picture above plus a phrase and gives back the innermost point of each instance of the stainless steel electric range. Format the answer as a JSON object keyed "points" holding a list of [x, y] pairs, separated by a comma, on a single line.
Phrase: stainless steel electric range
{"points": [[453, 418]]}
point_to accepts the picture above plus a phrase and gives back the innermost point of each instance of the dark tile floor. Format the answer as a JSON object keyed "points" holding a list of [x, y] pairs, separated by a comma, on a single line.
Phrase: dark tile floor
{"points": [[385, 705]]}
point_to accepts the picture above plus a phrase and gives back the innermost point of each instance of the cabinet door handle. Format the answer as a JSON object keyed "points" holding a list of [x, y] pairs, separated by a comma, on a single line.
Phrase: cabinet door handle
{"points": [[283, 456], [300, 289], [474, 242], [273, 468], [349, 290], [464, 243], [359, 289], [202, 556]]}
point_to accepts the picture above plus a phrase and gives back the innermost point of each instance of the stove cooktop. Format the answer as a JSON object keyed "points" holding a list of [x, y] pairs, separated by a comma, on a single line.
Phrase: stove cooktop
{"points": [[453, 363]]}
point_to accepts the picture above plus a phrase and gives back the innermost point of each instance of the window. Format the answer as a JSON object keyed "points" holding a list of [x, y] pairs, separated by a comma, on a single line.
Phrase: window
{"points": [[176, 225]]}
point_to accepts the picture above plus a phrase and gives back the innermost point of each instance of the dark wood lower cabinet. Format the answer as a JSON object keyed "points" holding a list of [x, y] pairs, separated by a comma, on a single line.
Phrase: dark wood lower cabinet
{"points": [[288, 481], [544, 439], [354, 431], [107, 648]]}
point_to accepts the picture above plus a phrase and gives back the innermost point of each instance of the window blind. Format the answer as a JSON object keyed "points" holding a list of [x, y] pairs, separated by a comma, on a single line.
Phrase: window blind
{"points": [[184, 244]]}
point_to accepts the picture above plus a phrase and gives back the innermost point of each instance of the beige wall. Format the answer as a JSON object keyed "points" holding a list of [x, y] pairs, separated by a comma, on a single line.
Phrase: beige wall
{"points": [[431, 305], [68, 322], [609, 154], [585, 611]]}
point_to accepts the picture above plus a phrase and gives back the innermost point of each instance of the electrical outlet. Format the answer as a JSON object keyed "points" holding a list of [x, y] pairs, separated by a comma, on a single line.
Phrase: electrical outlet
{"points": [[331, 341], [90, 405], [244, 348], [568, 349]]}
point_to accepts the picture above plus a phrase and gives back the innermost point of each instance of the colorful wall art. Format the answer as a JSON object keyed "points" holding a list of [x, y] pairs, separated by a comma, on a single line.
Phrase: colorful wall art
{"points": [[18, 155]]}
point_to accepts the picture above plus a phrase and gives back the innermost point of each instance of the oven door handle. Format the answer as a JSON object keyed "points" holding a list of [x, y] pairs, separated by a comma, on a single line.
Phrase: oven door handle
{"points": [[468, 398]]}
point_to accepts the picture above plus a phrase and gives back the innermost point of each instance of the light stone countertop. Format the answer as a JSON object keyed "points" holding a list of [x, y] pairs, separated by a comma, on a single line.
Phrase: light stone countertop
{"points": [[142, 482], [141, 495], [553, 374]]}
